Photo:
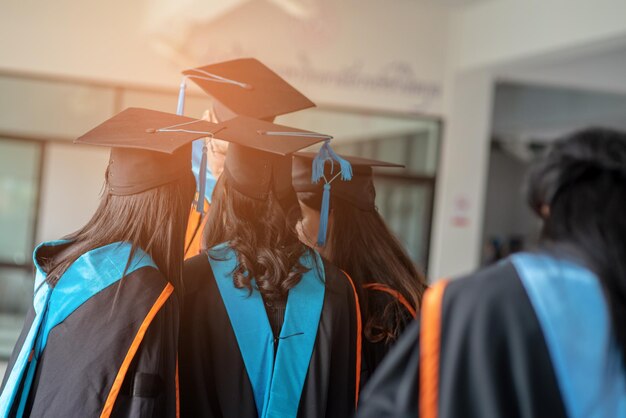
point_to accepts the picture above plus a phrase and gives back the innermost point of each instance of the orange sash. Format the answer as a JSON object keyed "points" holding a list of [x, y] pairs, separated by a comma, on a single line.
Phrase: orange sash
{"points": [[430, 345], [384, 288], [195, 226]]}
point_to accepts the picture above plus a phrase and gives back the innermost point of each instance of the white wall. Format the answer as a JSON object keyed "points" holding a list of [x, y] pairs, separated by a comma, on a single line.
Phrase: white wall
{"points": [[500, 32], [73, 178], [355, 52], [459, 198], [99, 40], [486, 40], [365, 53]]}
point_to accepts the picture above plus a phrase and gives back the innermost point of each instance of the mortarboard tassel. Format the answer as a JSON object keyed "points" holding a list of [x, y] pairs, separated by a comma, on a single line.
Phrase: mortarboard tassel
{"points": [[317, 171], [324, 213], [180, 109], [202, 176], [326, 153], [346, 167]]}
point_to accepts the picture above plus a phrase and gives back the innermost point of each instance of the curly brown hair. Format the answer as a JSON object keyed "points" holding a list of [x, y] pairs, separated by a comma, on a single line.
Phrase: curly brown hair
{"points": [[262, 233]]}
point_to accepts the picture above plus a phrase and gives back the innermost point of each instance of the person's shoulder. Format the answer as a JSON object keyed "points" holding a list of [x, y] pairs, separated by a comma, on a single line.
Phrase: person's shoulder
{"points": [[197, 273], [495, 294], [150, 275], [489, 283], [336, 279]]}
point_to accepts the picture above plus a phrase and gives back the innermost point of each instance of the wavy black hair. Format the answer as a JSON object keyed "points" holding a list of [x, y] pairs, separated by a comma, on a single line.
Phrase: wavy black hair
{"points": [[579, 190]]}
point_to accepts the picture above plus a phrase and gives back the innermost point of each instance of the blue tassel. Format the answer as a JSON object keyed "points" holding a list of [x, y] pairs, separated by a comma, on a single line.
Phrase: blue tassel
{"points": [[324, 214], [346, 167], [202, 185], [317, 171], [326, 153], [180, 109]]}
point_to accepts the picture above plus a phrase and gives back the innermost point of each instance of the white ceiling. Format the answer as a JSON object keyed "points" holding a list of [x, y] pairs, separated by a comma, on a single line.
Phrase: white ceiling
{"points": [[597, 70], [544, 101]]}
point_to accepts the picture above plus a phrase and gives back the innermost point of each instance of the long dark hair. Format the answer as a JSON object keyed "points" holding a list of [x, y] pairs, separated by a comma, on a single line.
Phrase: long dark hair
{"points": [[362, 245], [154, 220], [262, 233], [579, 190]]}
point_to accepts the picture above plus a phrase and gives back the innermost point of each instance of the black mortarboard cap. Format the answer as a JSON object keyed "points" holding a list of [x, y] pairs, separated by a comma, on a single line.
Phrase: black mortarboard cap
{"points": [[259, 158], [358, 192], [245, 87], [148, 148]]}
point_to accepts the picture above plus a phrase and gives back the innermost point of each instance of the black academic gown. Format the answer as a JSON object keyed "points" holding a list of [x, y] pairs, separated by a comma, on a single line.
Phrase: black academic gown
{"points": [[115, 355], [213, 377], [373, 353], [494, 361]]}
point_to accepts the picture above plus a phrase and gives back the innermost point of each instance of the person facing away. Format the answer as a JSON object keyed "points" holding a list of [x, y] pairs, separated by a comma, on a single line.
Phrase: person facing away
{"points": [[541, 334], [243, 86], [268, 328], [360, 243], [100, 339]]}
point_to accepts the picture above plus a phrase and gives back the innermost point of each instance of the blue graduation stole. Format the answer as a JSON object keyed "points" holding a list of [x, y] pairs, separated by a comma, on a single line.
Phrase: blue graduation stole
{"points": [[91, 273], [574, 318], [276, 382]]}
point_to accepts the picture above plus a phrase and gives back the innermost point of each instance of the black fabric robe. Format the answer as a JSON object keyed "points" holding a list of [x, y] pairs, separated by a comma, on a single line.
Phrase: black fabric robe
{"points": [[213, 378], [494, 361], [373, 353], [85, 352]]}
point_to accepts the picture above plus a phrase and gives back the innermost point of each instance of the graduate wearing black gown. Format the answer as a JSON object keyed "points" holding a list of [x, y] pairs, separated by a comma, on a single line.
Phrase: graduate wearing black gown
{"points": [[101, 337], [243, 86], [268, 328], [539, 334], [359, 242]]}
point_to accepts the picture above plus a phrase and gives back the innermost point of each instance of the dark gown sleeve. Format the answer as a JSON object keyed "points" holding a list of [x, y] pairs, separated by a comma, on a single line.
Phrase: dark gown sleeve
{"points": [[494, 361], [150, 387], [393, 390], [330, 386], [198, 392]]}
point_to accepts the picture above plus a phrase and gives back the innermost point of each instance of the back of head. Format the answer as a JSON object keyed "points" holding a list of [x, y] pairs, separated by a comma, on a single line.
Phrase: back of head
{"points": [[262, 233], [579, 190], [153, 220], [360, 243]]}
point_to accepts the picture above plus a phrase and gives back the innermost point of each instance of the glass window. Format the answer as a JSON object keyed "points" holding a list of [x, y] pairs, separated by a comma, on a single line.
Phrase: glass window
{"points": [[19, 189], [52, 109], [19, 182]]}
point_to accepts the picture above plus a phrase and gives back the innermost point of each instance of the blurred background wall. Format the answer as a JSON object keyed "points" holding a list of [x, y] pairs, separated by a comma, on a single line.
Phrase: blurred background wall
{"points": [[465, 93]]}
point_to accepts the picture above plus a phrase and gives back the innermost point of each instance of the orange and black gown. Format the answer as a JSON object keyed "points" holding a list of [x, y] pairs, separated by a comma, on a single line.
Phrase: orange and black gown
{"points": [[96, 344]]}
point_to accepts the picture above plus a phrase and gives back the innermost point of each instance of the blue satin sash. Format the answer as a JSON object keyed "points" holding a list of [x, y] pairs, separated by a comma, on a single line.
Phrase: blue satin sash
{"points": [[277, 382], [87, 276]]}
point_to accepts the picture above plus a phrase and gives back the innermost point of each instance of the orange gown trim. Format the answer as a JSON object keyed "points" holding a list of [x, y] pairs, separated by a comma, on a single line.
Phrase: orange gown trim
{"points": [[430, 345], [195, 227], [386, 289]]}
